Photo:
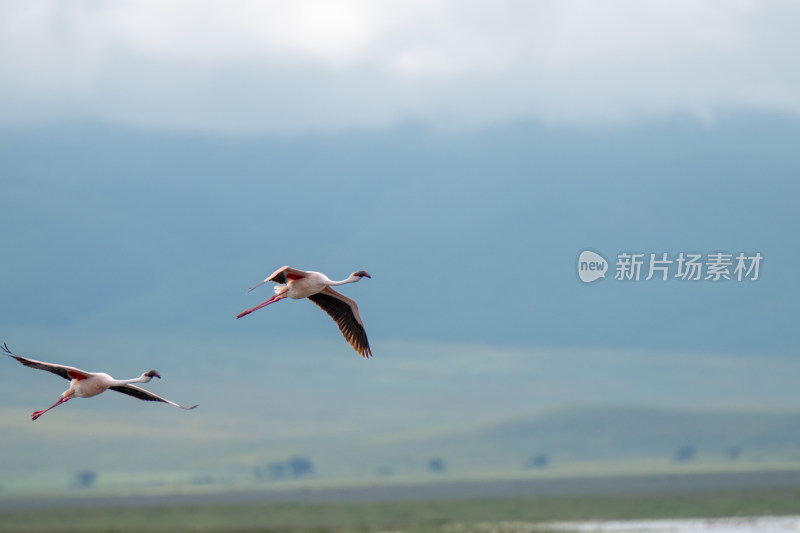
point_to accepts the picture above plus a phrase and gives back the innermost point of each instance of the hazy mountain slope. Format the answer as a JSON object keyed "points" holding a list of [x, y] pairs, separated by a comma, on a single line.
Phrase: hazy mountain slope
{"points": [[159, 449], [620, 434], [470, 237]]}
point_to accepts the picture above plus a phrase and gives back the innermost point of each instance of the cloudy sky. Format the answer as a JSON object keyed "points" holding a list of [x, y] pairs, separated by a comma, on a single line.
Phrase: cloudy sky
{"points": [[316, 66]]}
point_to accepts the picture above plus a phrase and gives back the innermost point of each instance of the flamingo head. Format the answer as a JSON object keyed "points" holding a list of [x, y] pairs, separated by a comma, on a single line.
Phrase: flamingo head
{"points": [[361, 274], [152, 374]]}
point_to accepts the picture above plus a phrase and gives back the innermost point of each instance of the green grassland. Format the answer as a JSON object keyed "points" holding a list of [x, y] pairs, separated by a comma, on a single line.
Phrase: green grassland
{"points": [[211, 453], [148, 448], [448, 515]]}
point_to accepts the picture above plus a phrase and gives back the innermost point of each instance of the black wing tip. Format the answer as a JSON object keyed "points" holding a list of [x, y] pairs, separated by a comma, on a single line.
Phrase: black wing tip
{"points": [[341, 313], [9, 353], [364, 350]]}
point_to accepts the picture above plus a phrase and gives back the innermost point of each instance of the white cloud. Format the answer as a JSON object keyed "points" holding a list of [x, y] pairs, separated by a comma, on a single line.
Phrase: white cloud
{"points": [[317, 66]]}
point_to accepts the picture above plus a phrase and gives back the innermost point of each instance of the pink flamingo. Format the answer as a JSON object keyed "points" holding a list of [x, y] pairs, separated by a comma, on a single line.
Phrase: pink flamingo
{"points": [[87, 384], [298, 284]]}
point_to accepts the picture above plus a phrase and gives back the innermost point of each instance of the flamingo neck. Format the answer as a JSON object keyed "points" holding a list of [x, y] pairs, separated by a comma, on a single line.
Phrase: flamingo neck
{"points": [[351, 279], [141, 379]]}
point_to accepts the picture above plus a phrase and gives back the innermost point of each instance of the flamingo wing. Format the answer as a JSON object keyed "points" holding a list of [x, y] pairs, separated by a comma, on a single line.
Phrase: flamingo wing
{"points": [[66, 372], [286, 273], [282, 276], [344, 312], [145, 395]]}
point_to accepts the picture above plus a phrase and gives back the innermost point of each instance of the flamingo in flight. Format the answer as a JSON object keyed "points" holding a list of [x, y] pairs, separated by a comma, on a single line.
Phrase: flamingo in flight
{"points": [[87, 384], [299, 284]]}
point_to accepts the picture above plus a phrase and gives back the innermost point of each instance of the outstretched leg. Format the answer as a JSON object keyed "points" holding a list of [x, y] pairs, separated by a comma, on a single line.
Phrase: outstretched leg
{"points": [[264, 304], [37, 414]]}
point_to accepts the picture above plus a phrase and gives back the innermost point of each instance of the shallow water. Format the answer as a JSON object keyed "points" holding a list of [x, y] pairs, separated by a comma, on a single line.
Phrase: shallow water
{"points": [[767, 524]]}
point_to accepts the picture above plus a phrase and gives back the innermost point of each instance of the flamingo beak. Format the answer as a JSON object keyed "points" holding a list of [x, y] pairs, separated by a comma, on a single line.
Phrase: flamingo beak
{"points": [[154, 374]]}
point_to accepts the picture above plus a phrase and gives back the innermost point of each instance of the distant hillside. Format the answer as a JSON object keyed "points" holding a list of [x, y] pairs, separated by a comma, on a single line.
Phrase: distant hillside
{"points": [[590, 441], [599, 434]]}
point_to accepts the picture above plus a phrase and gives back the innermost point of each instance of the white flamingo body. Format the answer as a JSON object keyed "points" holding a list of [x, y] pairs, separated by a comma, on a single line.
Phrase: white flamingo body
{"points": [[298, 284], [299, 288], [94, 385], [85, 384], [97, 382]]}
